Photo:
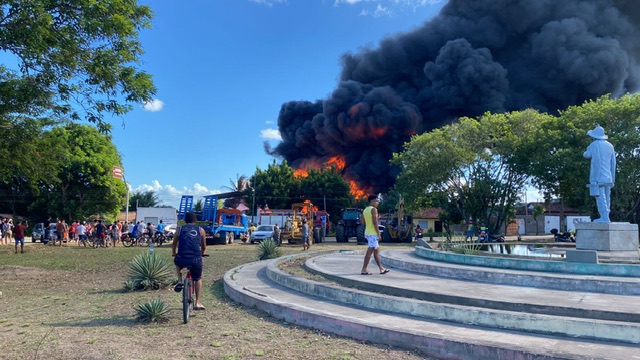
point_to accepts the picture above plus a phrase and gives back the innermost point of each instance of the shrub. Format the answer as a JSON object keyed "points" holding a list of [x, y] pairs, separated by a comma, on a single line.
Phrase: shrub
{"points": [[268, 249], [150, 271], [130, 285], [152, 311]]}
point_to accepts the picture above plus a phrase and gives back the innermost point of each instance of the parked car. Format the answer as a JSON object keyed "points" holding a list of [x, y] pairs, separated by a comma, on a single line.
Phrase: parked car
{"points": [[37, 233], [263, 232]]}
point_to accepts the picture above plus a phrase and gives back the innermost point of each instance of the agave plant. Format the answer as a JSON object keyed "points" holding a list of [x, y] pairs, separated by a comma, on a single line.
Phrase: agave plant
{"points": [[268, 249], [152, 311], [150, 271]]}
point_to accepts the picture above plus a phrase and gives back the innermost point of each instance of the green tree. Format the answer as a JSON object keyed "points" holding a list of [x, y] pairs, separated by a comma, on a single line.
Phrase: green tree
{"points": [[325, 187], [76, 59], [559, 168], [82, 184], [143, 199], [276, 186], [479, 165], [198, 205]]}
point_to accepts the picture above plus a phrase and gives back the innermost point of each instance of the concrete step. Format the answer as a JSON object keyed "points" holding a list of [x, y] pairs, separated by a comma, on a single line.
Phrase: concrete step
{"points": [[584, 318], [250, 285], [408, 260]]}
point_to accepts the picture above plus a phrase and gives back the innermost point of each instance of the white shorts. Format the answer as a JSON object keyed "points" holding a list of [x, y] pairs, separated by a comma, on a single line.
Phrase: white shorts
{"points": [[372, 241]]}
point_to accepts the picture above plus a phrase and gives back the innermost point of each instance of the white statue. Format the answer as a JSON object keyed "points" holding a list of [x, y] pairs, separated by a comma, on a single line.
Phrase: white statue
{"points": [[603, 171]]}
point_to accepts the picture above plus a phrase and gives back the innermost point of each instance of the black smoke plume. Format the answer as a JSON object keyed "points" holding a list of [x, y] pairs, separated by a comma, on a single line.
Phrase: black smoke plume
{"points": [[475, 56]]}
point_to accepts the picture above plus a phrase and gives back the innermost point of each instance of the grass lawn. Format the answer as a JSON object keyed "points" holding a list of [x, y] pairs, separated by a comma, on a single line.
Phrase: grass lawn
{"points": [[67, 303]]}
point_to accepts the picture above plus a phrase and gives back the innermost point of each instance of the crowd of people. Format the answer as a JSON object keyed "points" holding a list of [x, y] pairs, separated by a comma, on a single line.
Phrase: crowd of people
{"points": [[78, 231]]}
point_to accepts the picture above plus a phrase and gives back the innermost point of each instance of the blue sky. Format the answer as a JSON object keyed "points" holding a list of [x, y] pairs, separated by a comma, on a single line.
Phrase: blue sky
{"points": [[223, 68]]}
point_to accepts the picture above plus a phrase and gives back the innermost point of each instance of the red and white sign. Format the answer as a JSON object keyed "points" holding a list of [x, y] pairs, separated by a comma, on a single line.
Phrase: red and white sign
{"points": [[118, 172]]}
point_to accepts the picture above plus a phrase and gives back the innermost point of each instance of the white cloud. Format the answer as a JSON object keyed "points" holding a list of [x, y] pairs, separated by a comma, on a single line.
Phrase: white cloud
{"points": [[269, 122], [153, 105], [270, 134], [170, 195]]}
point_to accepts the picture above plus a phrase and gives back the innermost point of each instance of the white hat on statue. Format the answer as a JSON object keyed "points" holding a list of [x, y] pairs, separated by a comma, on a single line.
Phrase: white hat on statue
{"points": [[597, 133]]}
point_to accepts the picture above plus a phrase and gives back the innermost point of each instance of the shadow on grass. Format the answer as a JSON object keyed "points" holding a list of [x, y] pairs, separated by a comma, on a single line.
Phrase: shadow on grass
{"points": [[127, 321]]}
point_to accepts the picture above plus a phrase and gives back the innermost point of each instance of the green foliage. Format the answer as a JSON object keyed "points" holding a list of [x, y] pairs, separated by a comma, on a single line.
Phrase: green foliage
{"points": [[278, 187], [75, 59], [143, 199], [268, 249], [130, 285], [152, 311], [150, 271], [475, 167], [80, 182]]}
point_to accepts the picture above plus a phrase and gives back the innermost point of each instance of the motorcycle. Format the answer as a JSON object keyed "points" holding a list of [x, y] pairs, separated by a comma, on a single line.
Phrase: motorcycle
{"points": [[485, 237], [562, 237]]}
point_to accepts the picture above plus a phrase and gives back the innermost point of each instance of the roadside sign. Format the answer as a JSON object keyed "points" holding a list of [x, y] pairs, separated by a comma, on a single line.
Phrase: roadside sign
{"points": [[118, 172]]}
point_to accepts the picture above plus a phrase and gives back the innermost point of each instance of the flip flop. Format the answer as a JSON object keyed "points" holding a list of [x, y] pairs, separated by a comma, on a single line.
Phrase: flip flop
{"points": [[365, 273], [198, 308], [384, 271]]}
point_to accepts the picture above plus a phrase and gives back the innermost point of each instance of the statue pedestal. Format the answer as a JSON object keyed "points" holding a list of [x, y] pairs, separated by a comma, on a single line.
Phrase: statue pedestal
{"points": [[612, 239]]}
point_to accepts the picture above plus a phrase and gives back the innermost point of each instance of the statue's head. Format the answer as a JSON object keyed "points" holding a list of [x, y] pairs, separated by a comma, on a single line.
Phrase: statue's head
{"points": [[597, 133]]}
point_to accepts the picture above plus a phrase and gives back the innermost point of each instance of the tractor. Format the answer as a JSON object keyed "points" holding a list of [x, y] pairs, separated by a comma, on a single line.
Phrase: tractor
{"points": [[349, 226], [398, 226], [293, 226]]}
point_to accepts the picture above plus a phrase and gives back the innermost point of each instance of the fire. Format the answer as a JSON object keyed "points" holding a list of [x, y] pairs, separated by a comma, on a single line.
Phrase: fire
{"points": [[377, 132], [300, 173], [356, 191], [338, 162]]}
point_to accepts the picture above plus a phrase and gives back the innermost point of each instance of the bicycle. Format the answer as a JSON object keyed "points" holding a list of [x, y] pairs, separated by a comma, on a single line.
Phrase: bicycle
{"points": [[188, 294]]}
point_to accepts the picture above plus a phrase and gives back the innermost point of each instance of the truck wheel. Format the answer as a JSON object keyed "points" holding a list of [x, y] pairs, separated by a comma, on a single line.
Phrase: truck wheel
{"points": [[386, 236], [360, 234], [317, 238], [341, 236]]}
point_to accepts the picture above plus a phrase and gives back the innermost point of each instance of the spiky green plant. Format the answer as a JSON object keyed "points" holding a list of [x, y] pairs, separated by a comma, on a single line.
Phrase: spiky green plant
{"points": [[130, 285], [268, 249], [153, 311], [150, 271]]}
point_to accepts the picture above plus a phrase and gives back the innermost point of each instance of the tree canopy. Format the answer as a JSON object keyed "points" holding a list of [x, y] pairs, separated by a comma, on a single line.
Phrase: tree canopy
{"points": [[81, 183], [72, 59]]}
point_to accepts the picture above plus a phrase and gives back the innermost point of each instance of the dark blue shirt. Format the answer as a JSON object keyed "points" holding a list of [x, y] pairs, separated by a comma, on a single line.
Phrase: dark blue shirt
{"points": [[189, 241]]}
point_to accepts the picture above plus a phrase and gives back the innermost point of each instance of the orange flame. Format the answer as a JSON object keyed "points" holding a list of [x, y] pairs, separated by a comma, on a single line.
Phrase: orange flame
{"points": [[300, 173], [338, 162], [356, 191]]}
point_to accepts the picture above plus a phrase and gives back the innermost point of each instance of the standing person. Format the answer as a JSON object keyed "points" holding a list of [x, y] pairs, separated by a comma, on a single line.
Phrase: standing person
{"points": [[72, 231], [101, 233], [7, 227], [60, 230], [602, 175], [140, 227], [189, 245], [276, 233], [81, 234], [470, 230], [306, 243], [19, 236], [47, 226], [372, 233]]}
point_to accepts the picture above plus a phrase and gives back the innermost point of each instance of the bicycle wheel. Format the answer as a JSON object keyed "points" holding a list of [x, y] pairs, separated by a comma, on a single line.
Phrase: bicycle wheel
{"points": [[186, 300], [127, 241]]}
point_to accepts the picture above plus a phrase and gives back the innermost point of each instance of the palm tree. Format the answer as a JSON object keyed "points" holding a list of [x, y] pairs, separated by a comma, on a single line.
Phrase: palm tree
{"points": [[240, 184], [143, 199]]}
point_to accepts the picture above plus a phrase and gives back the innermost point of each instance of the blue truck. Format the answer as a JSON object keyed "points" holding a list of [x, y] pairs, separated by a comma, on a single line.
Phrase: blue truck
{"points": [[222, 226]]}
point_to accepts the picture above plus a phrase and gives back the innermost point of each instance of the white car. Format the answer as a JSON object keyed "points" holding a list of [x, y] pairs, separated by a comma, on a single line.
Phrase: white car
{"points": [[263, 232], [170, 229]]}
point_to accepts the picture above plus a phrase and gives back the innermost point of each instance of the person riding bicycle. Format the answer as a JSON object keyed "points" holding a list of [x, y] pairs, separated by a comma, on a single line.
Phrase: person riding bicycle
{"points": [[160, 227], [101, 233], [189, 245]]}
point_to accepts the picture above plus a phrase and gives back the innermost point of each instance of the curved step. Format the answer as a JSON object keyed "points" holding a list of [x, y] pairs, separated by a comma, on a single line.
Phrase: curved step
{"points": [[249, 285], [407, 260], [491, 316]]}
